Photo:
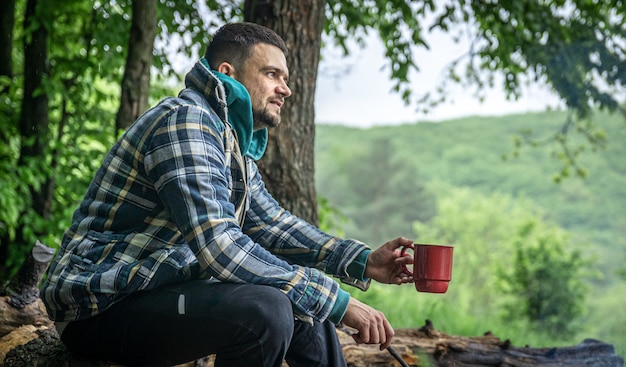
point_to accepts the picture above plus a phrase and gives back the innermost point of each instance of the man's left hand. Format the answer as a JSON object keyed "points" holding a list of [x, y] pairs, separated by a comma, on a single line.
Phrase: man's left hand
{"points": [[386, 265]]}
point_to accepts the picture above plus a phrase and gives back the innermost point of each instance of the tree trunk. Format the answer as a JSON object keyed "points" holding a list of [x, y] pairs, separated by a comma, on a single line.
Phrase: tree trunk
{"points": [[7, 21], [288, 165], [34, 110], [136, 80], [33, 119]]}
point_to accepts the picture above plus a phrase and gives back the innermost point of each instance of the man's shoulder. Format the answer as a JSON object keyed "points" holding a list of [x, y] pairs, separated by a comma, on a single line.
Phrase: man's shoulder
{"points": [[187, 98], [189, 106]]}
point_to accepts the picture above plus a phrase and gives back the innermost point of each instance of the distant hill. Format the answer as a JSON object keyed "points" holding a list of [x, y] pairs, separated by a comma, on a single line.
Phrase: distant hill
{"points": [[480, 152]]}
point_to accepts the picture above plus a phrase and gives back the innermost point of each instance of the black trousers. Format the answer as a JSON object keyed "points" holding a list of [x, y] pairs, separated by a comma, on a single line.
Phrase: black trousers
{"points": [[242, 324]]}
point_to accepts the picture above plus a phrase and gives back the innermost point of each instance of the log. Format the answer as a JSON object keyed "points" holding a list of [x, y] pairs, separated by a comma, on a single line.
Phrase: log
{"points": [[431, 347], [23, 289], [28, 338], [40, 346], [20, 303]]}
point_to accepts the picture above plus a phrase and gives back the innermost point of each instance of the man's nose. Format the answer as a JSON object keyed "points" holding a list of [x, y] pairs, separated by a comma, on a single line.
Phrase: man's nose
{"points": [[284, 89]]}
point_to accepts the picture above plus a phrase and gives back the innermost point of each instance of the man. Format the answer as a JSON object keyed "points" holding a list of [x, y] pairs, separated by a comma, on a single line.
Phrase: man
{"points": [[178, 251]]}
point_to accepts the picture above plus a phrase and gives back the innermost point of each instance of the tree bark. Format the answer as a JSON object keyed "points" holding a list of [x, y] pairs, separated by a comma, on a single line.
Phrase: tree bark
{"points": [[426, 346], [7, 21], [23, 289], [34, 118], [136, 79], [288, 164], [19, 299], [39, 345]]}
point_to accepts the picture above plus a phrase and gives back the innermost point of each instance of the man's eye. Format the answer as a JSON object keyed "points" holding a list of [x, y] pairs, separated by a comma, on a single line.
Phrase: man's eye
{"points": [[271, 74]]}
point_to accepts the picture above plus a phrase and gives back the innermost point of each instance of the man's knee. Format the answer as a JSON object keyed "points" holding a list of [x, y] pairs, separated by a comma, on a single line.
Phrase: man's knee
{"points": [[269, 318], [272, 308]]}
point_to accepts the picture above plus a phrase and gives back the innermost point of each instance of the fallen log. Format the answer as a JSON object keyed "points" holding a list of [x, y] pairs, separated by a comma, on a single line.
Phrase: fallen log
{"points": [[427, 346], [20, 304], [28, 338]]}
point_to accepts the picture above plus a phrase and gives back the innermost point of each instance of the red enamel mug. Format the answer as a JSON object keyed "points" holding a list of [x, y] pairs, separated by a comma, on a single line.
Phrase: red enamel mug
{"points": [[432, 267]]}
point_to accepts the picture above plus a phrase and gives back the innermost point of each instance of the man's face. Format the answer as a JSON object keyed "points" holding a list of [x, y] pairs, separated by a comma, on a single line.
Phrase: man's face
{"points": [[265, 76]]}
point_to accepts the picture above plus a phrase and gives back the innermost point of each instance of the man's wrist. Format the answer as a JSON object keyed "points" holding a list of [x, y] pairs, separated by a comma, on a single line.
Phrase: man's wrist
{"points": [[340, 307], [358, 268]]}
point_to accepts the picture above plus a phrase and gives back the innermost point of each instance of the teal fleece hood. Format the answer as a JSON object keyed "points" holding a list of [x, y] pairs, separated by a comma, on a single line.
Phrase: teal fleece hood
{"points": [[252, 143]]}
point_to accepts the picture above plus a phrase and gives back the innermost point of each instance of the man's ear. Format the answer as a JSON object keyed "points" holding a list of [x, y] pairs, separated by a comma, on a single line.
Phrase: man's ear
{"points": [[227, 69]]}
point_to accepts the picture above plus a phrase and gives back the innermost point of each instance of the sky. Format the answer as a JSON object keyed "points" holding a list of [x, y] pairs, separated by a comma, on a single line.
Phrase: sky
{"points": [[362, 96], [356, 90]]}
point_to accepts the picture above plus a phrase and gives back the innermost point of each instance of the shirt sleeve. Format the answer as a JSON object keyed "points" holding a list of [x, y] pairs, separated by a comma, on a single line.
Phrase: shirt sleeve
{"points": [[292, 238], [186, 162]]}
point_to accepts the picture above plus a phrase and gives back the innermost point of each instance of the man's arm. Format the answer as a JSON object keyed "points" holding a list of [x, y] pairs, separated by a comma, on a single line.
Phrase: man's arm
{"points": [[384, 265], [296, 240], [186, 163]]}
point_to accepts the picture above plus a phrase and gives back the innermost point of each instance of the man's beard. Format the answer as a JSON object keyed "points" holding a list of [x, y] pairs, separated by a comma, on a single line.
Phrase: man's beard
{"points": [[262, 119]]}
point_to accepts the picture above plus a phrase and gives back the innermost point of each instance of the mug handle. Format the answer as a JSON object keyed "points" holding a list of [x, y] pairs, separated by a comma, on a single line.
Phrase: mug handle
{"points": [[402, 253]]}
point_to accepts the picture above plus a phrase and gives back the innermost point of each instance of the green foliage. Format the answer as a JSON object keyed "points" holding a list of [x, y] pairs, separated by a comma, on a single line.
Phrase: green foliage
{"points": [[568, 43], [607, 322], [399, 24], [330, 219], [484, 206], [480, 228], [87, 48], [546, 281], [405, 308], [184, 22], [481, 292], [575, 47], [382, 198], [86, 55], [495, 263], [9, 154]]}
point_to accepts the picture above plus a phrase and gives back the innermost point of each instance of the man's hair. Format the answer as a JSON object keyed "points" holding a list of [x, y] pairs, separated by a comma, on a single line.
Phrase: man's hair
{"points": [[233, 43]]}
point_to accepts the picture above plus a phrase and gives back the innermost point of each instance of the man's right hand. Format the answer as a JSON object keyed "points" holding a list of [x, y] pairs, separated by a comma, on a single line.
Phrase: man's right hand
{"points": [[371, 325]]}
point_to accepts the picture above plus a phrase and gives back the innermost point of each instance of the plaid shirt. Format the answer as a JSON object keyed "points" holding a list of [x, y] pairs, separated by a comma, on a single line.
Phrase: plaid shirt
{"points": [[175, 200]]}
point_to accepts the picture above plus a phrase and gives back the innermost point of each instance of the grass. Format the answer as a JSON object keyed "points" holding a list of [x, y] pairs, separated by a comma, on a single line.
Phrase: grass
{"points": [[404, 307]]}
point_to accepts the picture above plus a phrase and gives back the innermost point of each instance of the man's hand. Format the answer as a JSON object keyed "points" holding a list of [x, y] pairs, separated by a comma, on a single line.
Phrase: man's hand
{"points": [[371, 325], [385, 265]]}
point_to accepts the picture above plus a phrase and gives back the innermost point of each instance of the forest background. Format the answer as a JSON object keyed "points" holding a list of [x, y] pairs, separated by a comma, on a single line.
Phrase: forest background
{"points": [[538, 260], [74, 74]]}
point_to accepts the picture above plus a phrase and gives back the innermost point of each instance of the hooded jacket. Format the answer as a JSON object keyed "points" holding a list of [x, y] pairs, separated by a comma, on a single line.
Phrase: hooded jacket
{"points": [[174, 200]]}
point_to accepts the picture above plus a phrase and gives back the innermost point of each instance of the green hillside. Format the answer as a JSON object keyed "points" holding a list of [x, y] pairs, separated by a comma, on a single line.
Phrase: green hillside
{"points": [[394, 180]]}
